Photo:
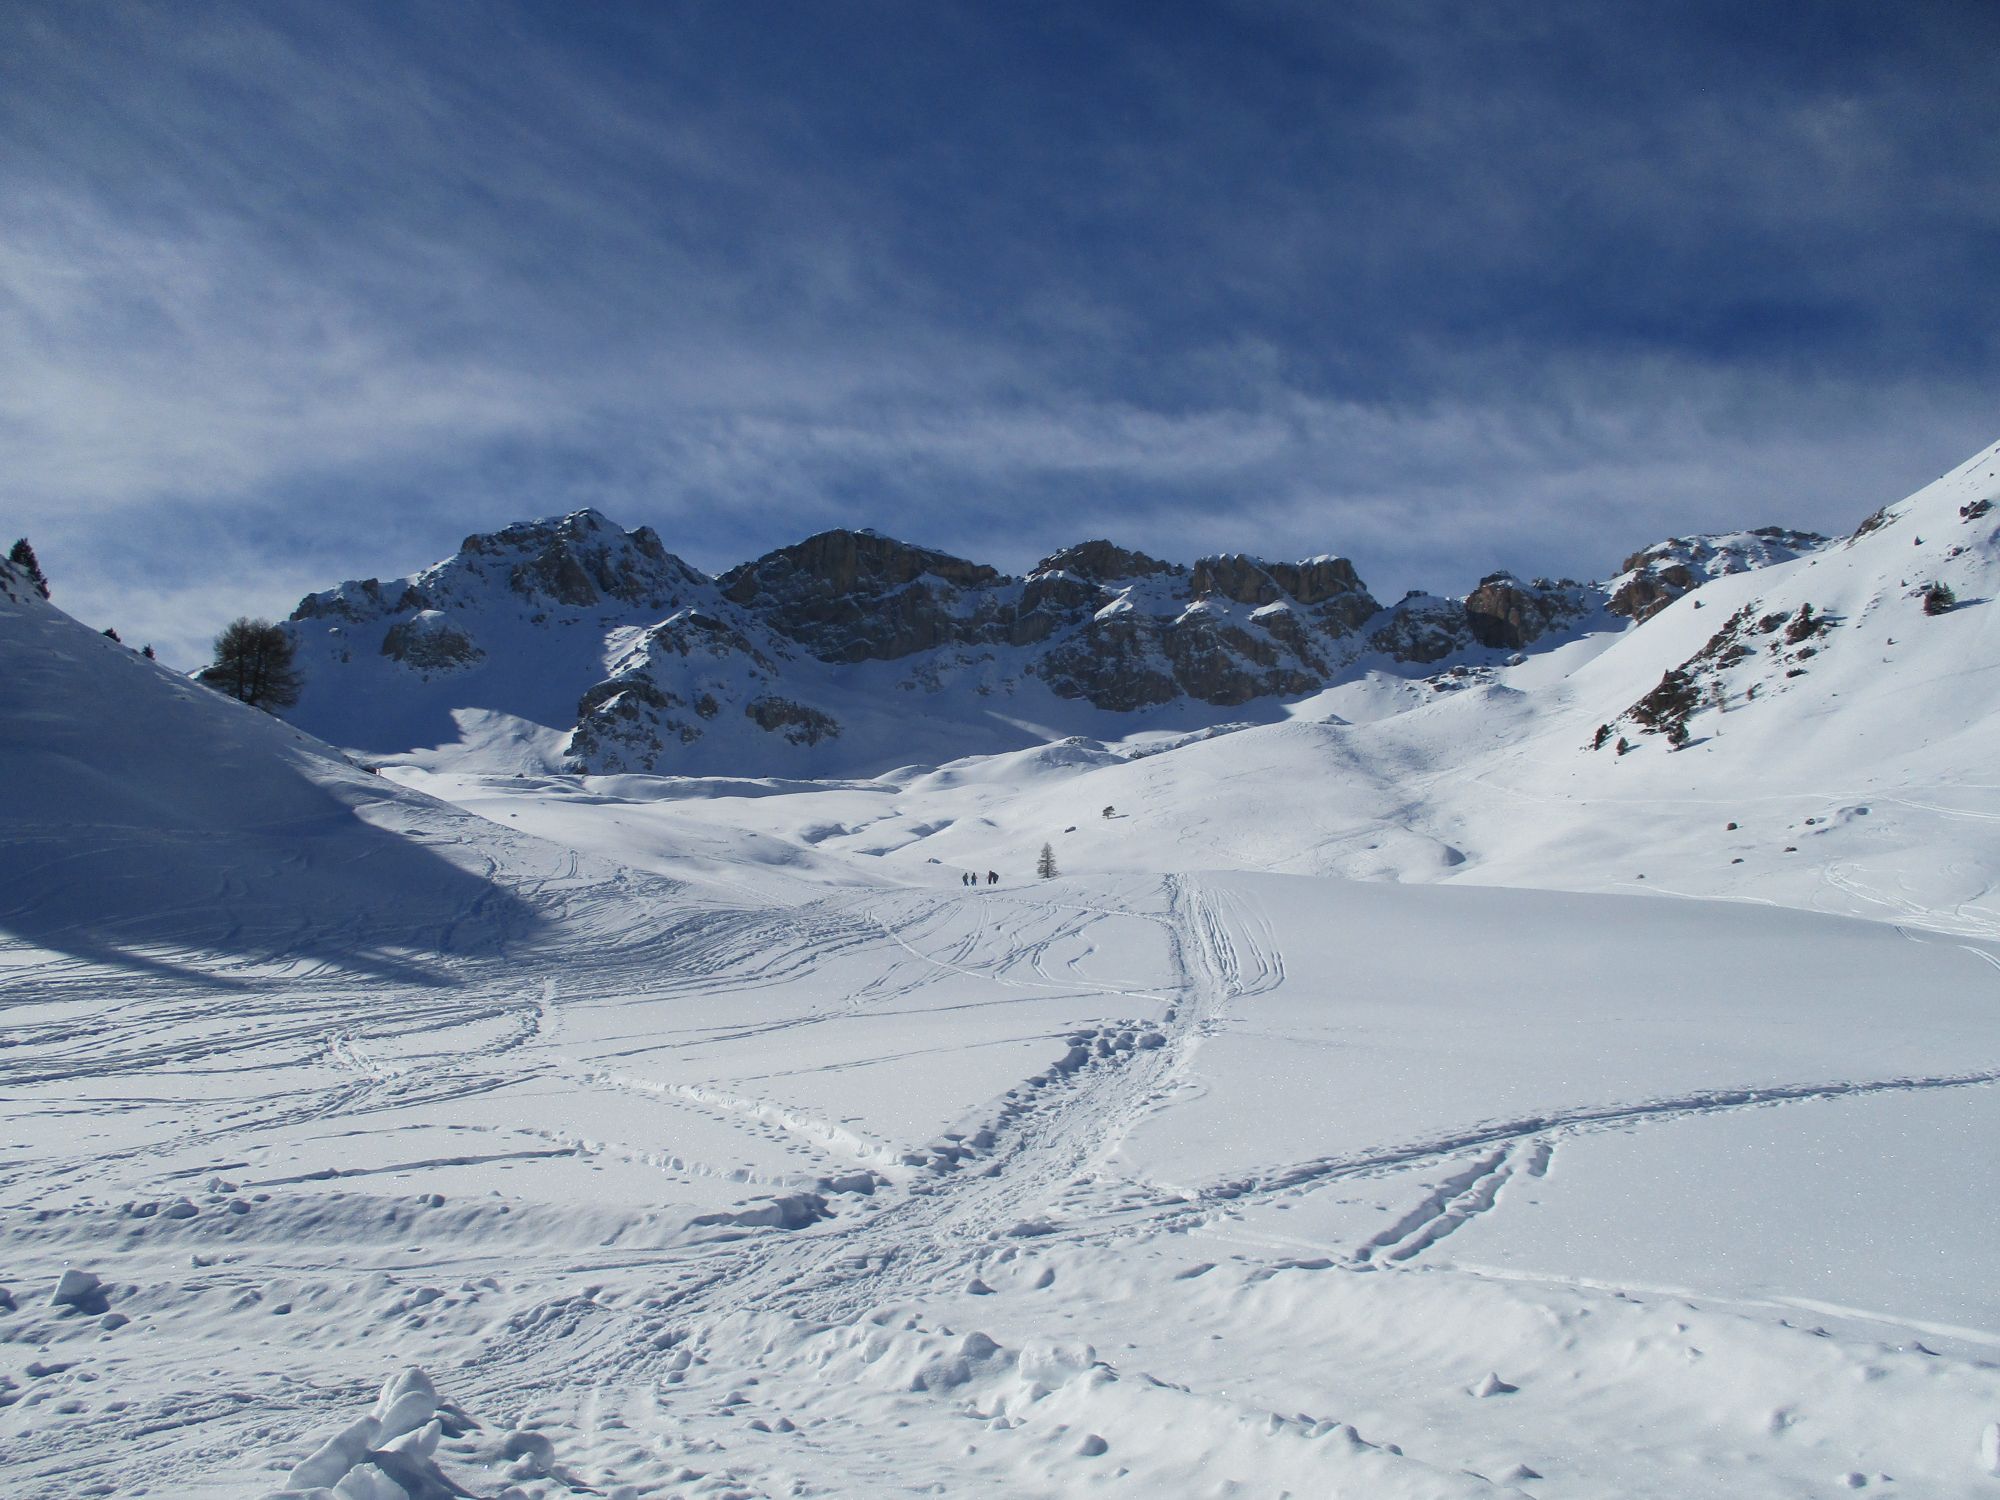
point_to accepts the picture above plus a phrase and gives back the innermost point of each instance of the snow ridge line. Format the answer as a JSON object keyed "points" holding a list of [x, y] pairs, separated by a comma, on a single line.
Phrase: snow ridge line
{"points": [[1711, 1101]]}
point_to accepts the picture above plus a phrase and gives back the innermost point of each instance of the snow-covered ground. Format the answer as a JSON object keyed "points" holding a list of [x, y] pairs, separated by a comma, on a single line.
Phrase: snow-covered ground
{"points": [[1399, 1100]]}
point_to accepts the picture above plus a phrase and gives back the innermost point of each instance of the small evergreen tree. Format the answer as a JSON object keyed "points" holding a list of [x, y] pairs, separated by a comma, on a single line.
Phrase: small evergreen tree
{"points": [[1939, 599], [253, 662], [22, 556], [1046, 865], [147, 652], [111, 634]]}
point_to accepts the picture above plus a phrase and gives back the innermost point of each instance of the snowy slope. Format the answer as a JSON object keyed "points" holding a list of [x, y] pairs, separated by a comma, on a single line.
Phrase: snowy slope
{"points": [[146, 815], [1855, 770], [708, 1136]]}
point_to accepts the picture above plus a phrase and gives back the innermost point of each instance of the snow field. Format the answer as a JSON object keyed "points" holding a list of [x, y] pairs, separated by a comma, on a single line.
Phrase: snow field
{"points": [[709, 1138]]}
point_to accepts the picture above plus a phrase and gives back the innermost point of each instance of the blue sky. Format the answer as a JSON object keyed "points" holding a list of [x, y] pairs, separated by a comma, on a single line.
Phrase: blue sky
{"points": [[297, 292]]}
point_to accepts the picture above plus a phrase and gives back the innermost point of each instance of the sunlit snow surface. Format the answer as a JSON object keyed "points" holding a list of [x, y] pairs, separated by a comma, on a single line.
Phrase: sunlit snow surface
{"points": [[712, 1138]]}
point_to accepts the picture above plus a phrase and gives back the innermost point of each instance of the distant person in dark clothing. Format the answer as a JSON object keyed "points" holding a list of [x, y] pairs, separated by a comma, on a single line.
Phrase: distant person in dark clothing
{"points": [[991, 878]]}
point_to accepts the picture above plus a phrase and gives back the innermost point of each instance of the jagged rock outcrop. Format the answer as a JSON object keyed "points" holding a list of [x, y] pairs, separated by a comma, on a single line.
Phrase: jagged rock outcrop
{"points": [[1751, 653], [1122, 630], [1422, 628], [1230, 629], [584, 560], [635, 661], [359, 599], [799, 724], [1328, 587], [627, 724], [1103, 562], [1652, 578], [671, 684], [430, 642], [579, 561], [1236, 578], [1503, 612], [855, 596]]}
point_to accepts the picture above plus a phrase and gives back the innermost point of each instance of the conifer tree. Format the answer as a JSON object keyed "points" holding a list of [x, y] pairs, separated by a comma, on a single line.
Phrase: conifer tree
{"points": [[1046, 865], [22, 556]]}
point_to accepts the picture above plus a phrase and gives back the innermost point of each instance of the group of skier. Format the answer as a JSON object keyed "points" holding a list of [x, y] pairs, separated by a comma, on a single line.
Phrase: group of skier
{"points": [[971, 877]]}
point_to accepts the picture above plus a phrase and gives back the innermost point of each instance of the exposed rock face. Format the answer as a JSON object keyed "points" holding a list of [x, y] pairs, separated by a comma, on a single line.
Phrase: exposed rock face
{"points": [[430, 642], [627, 724], [854, 596], [1320, 580], [1502, 614], [576, 562], [670, 685], [1123, 630], [1652, 578], [1422, 628], [1749, 654], [1327, 586], [1651, 589], [1230, 629], [796, 722], [362, 599], [1506, 613], [1116, 663], [1237, 578], [1103, 562], [584, 560], [1125, 660], [666, 668]]}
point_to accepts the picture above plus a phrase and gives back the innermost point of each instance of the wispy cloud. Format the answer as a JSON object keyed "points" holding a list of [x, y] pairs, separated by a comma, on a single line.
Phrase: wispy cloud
{"points": [[300, 292]]}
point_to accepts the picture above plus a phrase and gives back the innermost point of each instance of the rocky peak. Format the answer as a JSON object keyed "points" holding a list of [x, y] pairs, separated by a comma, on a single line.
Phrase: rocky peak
{"points": [[1236, 577], [858, 596], [1422, 628], [1327, 586], [581, 560], [846, 562], [1103, 562], [1319, 580], [359, 599]]}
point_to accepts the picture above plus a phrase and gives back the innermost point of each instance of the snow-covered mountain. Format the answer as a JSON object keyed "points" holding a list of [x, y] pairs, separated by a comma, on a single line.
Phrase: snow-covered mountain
{"points": [[573, 644], [1802, 699], [1811, 730], [711, 1135]]}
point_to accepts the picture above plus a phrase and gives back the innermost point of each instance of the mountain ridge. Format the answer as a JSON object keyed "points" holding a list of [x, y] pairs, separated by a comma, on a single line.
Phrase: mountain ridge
{"points": [[611, 654]]}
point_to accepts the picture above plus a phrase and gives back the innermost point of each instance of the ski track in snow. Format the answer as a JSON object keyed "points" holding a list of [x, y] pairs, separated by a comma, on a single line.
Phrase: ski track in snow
{"points": [[1539, 1134], [938, 1216], [1048, 1132]]}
